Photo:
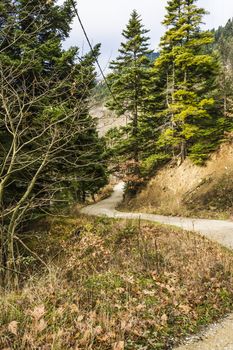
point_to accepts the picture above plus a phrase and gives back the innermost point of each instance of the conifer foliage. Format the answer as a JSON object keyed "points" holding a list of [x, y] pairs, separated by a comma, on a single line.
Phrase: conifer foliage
{"points": [[132, 86], [48, 141], [189, 75], [224, 45]]}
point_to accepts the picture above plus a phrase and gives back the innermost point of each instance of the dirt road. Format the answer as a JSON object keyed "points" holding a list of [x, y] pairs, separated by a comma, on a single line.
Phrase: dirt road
{"points": [[216, 337], [217, 230]]}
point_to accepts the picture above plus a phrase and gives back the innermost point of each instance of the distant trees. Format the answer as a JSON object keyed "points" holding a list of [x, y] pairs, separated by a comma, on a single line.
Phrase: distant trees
{"points": [[48, 141], [224, 45]]}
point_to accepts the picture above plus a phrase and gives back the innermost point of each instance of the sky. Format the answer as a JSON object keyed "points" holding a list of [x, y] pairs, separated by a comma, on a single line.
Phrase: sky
{"points": [[104, 21]]}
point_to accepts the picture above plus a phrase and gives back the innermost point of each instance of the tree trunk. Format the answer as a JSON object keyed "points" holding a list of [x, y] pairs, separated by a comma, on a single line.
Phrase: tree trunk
{"points": [[135, 136], [8, 275], [83, 196], [225, 105], [3, 258], [183, 152]]}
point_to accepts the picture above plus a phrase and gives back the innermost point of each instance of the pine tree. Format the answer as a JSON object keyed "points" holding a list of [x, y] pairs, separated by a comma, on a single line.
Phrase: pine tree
{"points": [[39, 50], [48, 139], [132, 85], [189, 75], [224, 46]]}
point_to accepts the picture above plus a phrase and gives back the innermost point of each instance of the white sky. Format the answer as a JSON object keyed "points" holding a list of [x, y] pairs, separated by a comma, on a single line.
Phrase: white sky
{"points": [[104, 21]]}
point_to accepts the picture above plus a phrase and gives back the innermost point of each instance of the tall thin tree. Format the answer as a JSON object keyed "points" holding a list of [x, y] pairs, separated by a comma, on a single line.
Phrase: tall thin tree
{"points": [[131, 83], [190, 85]]}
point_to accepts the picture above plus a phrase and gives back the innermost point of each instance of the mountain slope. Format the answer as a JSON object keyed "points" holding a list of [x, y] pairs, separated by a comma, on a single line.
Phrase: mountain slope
{"points": [[116, 285], [191, 190]]}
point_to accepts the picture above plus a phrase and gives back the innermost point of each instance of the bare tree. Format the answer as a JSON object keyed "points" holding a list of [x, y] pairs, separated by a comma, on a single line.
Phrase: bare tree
{"points": [[43, 148]]}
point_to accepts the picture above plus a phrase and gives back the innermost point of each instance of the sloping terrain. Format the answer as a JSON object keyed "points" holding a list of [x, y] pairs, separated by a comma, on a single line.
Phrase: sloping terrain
{"points": [[116, 285], [190, 190], [220, 231], [106, 119]]}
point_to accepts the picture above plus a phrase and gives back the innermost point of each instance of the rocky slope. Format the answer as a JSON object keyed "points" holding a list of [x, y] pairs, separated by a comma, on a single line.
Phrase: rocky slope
{"points": [[106, 119]]}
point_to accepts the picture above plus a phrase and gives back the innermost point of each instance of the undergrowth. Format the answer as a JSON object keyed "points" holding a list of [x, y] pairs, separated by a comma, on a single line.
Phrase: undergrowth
{"points": [[117, 285]]}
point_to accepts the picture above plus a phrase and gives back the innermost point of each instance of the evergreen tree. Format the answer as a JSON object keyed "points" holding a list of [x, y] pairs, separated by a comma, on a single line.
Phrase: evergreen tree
{"points": [[223, 32], [132, 85], [224, 45], [38, 47], [189, 75], [48, 139]]}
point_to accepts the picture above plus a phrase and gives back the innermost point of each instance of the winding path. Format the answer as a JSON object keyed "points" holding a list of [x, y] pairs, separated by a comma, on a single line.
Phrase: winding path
{"points": [[217, 337]]}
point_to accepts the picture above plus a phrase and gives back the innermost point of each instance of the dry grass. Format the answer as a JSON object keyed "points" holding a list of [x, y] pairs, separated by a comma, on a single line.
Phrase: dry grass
{"points": [[191, 190], [118, 286], [105, 192]]}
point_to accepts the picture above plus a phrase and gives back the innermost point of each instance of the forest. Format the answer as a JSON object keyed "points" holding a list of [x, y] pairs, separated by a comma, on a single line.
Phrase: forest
{"points": [[178, 103]]}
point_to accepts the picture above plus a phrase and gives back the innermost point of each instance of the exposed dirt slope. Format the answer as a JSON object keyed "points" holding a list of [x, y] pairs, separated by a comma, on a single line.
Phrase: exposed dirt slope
{"points": [[191, 190], [107, 119]]}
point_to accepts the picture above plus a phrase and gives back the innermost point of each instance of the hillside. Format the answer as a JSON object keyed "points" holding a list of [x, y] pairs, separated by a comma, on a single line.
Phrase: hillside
{"points": [[224, 32], [191, 190], [115, 285], [106, 119], [151, 136]]}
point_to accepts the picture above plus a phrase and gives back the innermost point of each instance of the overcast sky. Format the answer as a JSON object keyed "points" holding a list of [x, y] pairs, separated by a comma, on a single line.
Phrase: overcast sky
{"points": [[104, 21]]}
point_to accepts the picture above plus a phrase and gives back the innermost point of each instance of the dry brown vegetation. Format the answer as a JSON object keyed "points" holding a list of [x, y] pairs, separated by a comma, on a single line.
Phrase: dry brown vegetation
{"points": [[191, 190], [105, 192], [116, 285]]}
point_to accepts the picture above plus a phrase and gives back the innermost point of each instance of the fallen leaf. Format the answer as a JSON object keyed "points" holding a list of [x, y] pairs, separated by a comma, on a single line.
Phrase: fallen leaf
{"points": [[149, 292], [107, 336], [185, 308], [164, 319], [13, 327], [74, 308], [120, 345], [140, 307], [41, 325], [80, 318], [123, 324], [38, 312], [98, 330]]}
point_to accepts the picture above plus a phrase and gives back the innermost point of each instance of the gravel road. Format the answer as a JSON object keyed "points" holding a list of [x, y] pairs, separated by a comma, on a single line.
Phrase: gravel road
{"points": [[216, 337]]}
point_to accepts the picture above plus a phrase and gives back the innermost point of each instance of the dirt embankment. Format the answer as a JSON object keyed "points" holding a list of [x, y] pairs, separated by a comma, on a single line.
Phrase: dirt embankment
{"points": [[107, 119], [191, 190]]}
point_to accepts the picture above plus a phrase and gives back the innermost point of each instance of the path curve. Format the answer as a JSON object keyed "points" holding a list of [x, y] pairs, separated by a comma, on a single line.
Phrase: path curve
{"points": [[216, 337]]}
